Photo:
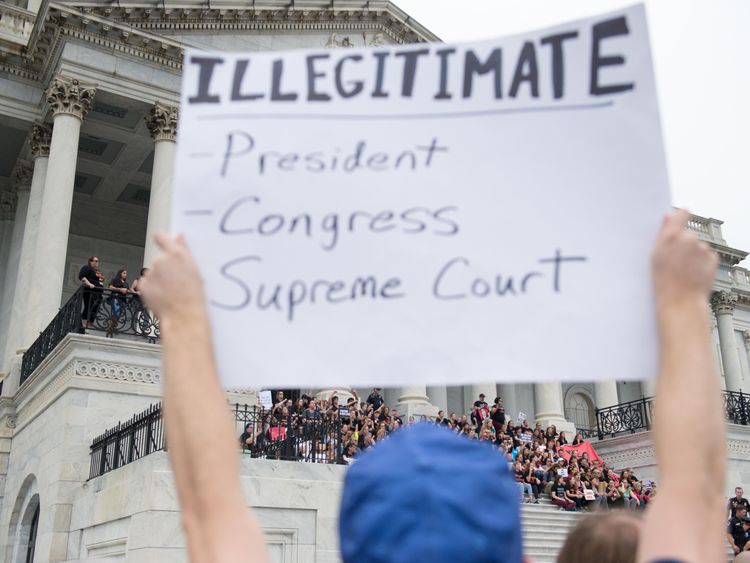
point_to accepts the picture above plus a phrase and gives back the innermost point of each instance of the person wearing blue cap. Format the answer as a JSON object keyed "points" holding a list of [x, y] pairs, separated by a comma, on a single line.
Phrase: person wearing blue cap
{"points": [[425, 495]]}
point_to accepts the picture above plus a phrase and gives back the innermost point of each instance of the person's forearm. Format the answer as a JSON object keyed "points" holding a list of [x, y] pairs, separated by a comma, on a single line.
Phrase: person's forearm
{"points": [[688, 383], [202, 445], [191, 380]]}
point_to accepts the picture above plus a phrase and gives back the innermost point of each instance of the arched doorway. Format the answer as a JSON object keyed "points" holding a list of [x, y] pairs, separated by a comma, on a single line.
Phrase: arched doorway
{"points": [[27, 532], [579, 409], [24, 523]]}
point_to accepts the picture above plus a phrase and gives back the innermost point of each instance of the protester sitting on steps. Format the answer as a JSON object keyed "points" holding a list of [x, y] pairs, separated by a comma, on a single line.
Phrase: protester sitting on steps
{"points": [[380, 527]]}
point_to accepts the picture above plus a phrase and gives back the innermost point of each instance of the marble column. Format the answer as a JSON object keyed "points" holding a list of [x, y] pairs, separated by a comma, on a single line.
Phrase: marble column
{"points": [[21, 181], [746, 338], [723, 303], [69, 102], [548, 406], [648, 388], [438, 395], [507, 391], [414, 402], [605, 393], [20, 336], [162, 123], [7, 210]]}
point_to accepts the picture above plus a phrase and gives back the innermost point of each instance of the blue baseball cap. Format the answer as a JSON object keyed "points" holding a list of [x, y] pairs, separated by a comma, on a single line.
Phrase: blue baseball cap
{"points": [[427, 494]]}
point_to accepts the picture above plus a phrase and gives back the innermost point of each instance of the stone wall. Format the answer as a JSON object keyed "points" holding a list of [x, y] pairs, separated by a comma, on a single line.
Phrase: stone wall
{"points": [[54, 417], [132, 515], [637, 451]]}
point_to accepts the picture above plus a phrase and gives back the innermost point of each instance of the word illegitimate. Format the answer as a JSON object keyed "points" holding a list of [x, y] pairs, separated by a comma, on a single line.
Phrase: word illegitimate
{"points": [[326, 76]]}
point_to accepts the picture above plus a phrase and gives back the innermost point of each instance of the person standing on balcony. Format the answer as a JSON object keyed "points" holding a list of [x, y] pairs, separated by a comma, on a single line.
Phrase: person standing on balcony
{"points": [[92, 295], [137, 281], [120, 290]]}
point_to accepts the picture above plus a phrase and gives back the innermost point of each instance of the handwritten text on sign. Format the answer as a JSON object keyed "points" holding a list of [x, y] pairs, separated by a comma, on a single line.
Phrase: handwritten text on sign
{"points": [[427, 213]]}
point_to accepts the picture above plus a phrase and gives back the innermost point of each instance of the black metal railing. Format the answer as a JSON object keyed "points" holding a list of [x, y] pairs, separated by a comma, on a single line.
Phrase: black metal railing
{"points": [[737, 407], [637, 416], [103, 310], [289, 437], [587, 433], [141, 435], [293, 438]]}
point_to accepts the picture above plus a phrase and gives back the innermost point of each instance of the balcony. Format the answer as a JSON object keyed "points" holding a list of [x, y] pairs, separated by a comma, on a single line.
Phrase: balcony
{"points": [[16, 25], [637, 416], [112, 315]]}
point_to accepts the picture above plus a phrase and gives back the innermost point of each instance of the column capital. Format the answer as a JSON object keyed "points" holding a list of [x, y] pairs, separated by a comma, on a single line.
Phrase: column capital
{"points": [[69, 96], [40, 136], [162, 122], [21, 176], [723, 302], [8, 202], [746, 337]]}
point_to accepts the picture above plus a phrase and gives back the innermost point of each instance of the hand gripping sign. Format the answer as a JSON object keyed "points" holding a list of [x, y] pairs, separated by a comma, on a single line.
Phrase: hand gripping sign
{"points": [[427, 213]]}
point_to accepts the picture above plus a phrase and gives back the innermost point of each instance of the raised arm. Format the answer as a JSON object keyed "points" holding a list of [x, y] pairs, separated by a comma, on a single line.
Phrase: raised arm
{"points": [[681, 526], [202, 449]]}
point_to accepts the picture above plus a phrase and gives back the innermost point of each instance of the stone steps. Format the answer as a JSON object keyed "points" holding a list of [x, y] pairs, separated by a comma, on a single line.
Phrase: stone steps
{"points": [[545, 528]]}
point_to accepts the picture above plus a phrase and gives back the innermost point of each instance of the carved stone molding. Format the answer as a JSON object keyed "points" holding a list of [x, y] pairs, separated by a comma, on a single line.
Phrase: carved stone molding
{"points": [[20, 178], [739, 448], [118, 372], [723, 302], [41, 398], [68, 96], [242, 391], [746, 336], [335, 41], [8, 202], [11, 421], [131, 29], [162, 122], [39, 140], [633, 457]]}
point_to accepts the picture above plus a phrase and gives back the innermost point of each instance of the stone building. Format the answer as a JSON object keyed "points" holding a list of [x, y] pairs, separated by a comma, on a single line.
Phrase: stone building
{"points": [[88, 117]]}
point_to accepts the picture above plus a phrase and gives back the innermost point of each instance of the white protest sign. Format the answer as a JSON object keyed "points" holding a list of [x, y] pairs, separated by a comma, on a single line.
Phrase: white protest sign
{"points": [[521, 417], [265, 399], [427, 213]]}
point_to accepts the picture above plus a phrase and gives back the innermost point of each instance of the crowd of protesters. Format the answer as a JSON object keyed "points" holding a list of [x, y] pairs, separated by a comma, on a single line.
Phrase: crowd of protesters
{"points": [[329, 431]]}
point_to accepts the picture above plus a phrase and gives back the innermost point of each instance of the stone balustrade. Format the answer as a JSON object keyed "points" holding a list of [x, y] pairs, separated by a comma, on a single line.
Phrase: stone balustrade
{"points": [[16, 25], [741, 277], [707, 229]]}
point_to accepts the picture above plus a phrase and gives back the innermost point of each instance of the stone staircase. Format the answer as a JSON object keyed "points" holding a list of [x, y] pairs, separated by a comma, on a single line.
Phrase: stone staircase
{"points": [[545, 528]]}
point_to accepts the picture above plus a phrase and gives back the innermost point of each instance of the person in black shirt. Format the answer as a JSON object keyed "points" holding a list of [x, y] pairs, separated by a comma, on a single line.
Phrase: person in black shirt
{"points": [[120, 289], [746, 533], [737, 500], [735, 530], [92, 294], [375, 399], [497, 414]]}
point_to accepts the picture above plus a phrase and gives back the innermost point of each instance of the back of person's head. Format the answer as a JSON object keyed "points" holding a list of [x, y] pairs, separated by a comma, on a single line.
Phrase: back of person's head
{"points": [[603, 538], [427, 494]]}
